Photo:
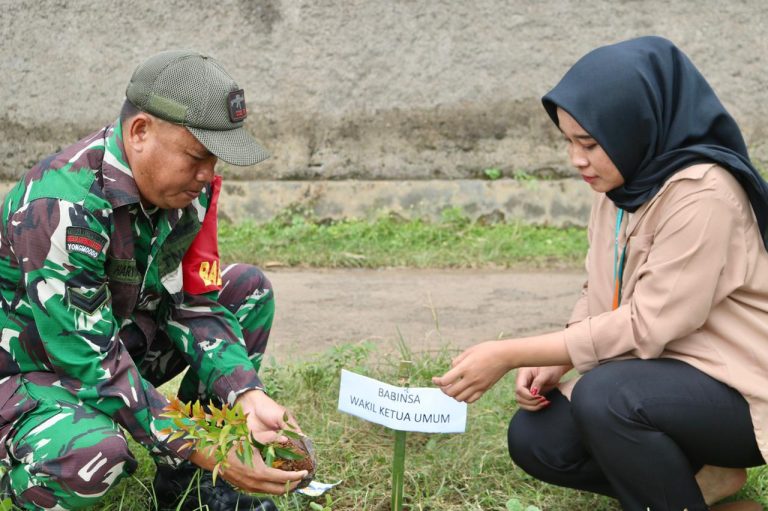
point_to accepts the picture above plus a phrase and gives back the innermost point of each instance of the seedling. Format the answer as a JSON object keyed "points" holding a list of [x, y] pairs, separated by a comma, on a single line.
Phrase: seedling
{"points": [[220, 430]]}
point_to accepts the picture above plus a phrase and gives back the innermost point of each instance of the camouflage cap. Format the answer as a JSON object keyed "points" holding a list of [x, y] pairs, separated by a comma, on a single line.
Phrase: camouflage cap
{"points": [[187, 88]]}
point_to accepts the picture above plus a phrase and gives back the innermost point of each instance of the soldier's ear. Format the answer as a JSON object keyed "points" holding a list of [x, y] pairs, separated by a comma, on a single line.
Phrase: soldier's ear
{"points": [[137, 130]]}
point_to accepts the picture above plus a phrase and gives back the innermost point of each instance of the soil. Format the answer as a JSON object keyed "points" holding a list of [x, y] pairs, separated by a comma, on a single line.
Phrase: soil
{"points": [[317, 309]]}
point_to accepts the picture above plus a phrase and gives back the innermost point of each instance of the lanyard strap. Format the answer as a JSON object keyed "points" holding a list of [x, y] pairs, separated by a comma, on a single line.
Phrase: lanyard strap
{"points": [[618, 262]]}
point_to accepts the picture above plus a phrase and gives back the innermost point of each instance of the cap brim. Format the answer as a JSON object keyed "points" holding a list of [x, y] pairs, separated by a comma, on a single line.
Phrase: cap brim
{"points": [[235, 147]]}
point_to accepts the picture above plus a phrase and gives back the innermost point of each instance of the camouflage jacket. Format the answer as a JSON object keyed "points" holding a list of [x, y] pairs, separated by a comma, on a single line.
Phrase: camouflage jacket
{"points": [[81, 261]]}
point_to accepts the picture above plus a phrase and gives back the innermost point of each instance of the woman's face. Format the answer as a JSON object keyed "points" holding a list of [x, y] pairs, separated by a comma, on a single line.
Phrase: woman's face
{"points": [[592, 162]]}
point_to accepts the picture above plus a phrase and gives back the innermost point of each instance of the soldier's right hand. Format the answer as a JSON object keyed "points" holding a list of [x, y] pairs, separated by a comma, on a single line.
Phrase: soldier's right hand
{"points": [[257, 479]]}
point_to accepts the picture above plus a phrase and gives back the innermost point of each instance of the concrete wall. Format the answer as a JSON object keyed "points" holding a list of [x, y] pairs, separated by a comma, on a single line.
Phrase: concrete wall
{"points": [[370, 89]]}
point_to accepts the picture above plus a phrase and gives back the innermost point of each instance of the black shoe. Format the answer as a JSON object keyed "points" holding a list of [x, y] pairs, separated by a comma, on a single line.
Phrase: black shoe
{"points": [[172, 483]]}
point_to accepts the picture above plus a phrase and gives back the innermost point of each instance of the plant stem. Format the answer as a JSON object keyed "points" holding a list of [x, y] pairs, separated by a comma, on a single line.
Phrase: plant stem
{"points": [[398, 471], [398, 461]]}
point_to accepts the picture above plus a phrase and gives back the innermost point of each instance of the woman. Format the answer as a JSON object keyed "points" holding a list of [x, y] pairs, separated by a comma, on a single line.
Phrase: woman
{"points": [[670, 335]]}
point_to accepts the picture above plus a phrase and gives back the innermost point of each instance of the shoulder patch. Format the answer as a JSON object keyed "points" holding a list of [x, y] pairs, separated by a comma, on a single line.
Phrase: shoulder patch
{"points": [[85, 241], [88, 300], [200, 265]]}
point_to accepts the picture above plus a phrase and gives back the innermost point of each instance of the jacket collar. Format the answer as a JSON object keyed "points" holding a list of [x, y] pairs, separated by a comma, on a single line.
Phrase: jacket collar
{"points": [[119, 186], [693, 172]]}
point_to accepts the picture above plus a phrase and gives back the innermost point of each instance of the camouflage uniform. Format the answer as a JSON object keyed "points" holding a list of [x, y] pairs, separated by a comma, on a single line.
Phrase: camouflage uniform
{"points": [[102, 301]]}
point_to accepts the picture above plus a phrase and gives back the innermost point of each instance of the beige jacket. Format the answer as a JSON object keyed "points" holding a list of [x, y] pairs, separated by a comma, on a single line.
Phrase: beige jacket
{"points": [[695, 287]]}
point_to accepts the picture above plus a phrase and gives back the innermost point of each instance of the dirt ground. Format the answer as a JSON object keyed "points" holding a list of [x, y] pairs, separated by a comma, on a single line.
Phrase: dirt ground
{"points": [[432, 308]]}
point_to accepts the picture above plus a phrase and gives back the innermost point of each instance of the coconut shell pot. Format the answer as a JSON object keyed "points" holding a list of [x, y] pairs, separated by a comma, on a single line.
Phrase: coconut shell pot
{"points": [[304, 447]]}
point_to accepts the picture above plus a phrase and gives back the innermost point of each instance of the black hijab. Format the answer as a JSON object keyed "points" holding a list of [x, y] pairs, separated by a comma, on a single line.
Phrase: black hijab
{"points": [[654, 114]]}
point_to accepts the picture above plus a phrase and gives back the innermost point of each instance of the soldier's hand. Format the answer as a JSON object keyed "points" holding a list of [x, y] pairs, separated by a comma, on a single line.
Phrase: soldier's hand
{"points": [[257, 479], [265, 416]]}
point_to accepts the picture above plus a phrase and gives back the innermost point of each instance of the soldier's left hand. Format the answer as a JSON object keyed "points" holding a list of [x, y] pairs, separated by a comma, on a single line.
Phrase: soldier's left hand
{"points": [[266, 417]]}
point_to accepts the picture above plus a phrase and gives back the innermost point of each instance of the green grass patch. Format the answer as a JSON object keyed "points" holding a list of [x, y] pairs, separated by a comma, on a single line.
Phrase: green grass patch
{"points": [[454, 242], [447, 472]]}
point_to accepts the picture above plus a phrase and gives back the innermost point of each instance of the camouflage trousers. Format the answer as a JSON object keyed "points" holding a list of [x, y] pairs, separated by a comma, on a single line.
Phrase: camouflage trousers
{"points": [[64, 454]]}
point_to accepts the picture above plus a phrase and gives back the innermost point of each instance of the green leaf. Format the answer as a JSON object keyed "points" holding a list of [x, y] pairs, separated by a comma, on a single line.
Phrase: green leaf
{"points": [[247, 454], [6, 505], [514, 505], [287, 454], [291, 434], [215, 472], [224, 432], [176, 436], [315, 506], [269, 455]]}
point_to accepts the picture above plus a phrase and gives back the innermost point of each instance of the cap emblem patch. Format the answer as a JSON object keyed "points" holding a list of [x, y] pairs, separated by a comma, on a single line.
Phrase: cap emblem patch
{"points": [[236, 105]]}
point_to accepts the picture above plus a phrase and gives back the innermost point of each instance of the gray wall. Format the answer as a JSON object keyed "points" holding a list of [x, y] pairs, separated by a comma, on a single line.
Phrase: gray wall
{"points": [[373, 89]]}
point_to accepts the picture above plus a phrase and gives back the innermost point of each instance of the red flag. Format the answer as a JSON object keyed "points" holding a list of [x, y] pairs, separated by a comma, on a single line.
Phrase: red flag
{"points": [[201, 264]]}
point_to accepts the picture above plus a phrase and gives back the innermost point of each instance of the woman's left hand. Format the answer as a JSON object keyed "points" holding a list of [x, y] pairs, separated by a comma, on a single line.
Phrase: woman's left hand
{"points": [[476, 370]]}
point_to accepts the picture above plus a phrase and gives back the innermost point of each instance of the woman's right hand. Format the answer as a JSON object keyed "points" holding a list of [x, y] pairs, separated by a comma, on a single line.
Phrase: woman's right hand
{"points": [[257, 479], [533, 383]]}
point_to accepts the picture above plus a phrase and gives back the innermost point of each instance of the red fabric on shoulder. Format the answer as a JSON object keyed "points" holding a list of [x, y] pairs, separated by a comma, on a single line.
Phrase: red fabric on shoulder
{"points": [[201, 264]]}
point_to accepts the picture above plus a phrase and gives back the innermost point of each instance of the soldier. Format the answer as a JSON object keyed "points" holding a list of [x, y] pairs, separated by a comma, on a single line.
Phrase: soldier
{"points": [[111, 286]]}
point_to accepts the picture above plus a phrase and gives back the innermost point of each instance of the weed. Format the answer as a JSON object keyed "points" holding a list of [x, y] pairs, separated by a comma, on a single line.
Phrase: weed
{"points": [[523, 175], [515, 505], [318, 507], [492, 173]]}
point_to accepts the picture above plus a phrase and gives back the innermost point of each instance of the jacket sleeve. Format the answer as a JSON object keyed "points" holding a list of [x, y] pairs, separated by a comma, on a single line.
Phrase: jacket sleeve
{"points": [[690, 267], [212, 340], [62, 250], [208, 333], [581, 308]]}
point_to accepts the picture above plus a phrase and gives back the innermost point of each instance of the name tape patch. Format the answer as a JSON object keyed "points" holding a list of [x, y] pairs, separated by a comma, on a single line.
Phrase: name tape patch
{"points": [[85, 241]]}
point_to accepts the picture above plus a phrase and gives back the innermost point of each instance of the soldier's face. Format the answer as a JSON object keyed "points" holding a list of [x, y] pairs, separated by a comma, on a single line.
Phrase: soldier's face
{"points": [[170, 165]]}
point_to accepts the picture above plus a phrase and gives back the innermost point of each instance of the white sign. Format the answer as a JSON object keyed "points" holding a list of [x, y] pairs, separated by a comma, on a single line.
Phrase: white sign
{"points": [[426, 410]]}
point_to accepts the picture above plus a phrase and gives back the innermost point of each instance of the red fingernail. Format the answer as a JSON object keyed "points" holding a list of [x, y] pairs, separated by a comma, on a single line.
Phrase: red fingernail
{"points": [[534, 391], [547, 403]]}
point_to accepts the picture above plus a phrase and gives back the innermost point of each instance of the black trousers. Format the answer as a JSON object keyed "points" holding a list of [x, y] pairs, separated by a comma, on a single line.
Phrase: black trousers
{"points": [[637, 430]]}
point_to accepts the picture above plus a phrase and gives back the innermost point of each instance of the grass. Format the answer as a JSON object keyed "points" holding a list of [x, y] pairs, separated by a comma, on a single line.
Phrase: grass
{"points": [[293, 239], [446, 472], [469, 471]]}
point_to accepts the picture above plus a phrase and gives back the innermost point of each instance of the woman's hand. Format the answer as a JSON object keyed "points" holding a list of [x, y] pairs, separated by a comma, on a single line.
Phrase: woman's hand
{"points": [[534, 382], [476, 370], [257, 479], [481, 366]]}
